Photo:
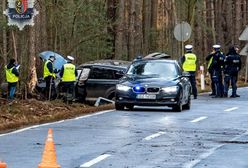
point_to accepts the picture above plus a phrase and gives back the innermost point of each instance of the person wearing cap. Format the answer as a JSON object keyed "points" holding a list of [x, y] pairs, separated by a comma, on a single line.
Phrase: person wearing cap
{"points": [[232, 66], [189, 61], [68, 75], [215, 68], [12, 77], [49, 76]]}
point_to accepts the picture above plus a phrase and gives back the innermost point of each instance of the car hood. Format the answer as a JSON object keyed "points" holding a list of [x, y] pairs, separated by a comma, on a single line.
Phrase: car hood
{"points": [[150, 81], [59, 59]]}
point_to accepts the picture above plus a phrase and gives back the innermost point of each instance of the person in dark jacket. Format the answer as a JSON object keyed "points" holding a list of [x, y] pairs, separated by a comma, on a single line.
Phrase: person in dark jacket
{"points": [[209, 59], [12, 77], [215, 68], [49, 76], [232, 66]]}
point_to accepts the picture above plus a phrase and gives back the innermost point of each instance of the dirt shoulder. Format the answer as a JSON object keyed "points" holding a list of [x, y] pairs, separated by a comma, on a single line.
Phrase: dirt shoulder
{"points": [[23, 113]]}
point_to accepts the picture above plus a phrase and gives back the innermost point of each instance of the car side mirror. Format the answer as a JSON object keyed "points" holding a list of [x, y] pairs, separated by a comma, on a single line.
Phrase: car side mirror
{"points": [[186, 74], [120, 73]]}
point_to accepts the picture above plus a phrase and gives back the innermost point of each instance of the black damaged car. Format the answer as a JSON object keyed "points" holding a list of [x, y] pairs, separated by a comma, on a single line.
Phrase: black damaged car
{"points": [[154, 82]]}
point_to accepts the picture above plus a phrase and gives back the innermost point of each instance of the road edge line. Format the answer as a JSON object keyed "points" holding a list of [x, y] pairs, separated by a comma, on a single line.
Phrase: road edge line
{"points": [[57, 122]]}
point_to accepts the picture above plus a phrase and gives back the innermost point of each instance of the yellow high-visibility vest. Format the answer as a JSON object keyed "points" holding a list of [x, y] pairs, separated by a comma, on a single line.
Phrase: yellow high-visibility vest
{"points": [[190, 62], [10, 77], [46, 71], [69, 73], [210, 62]]}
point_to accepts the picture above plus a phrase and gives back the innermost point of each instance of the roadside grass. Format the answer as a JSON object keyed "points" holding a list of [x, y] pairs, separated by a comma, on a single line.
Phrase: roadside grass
{"points": [[23, 113]]}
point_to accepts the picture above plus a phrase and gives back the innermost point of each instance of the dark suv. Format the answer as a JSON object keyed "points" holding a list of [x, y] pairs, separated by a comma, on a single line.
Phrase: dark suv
{"points": [[97, 80]]}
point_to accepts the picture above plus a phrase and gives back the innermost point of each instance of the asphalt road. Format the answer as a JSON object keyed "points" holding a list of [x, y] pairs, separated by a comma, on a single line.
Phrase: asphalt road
{"points": [[212, 134]]}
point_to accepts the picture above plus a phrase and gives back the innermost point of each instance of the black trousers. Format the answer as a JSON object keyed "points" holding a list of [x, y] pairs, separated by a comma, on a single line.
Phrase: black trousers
{"points": [[68, 89], [218, 83], [233, 80], [50, 91], [212, 83], [193, 83]]}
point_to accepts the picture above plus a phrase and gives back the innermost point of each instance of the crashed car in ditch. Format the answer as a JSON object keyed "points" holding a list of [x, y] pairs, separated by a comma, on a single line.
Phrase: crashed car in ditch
{"points": [[95, 79], [154, 82], [98, 80]]}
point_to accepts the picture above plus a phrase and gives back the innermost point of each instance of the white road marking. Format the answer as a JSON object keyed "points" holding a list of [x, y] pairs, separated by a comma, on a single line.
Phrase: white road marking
{"points": [[94, 161], [191, 164], [231, 109], [154, 136], [57, 122], [199, 119]]}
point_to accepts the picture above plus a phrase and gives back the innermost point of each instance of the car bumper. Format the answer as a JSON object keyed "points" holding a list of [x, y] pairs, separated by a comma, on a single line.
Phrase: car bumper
{"points": [[161, 100]]}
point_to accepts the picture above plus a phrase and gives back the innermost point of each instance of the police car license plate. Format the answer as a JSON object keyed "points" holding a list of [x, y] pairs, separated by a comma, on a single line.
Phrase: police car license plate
{"points": [[146, 96]]}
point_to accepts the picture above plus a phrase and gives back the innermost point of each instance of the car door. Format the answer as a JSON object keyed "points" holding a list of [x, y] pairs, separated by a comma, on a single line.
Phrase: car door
{"points": [[185, 84], [82, 77], [100, 83]]}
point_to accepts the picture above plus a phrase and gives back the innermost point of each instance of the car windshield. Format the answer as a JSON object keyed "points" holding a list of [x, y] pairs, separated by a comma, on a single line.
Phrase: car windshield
{"points": [[153, 69]]}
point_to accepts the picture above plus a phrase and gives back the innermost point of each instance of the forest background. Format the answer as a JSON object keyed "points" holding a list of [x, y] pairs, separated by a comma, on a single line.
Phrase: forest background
{"points": [[118, 29]]}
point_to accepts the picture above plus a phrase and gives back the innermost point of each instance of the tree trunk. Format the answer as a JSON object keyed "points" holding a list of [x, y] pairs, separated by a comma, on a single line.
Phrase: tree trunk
{"points": [[146, 25], [40, 34], [237, 21], [174, 11], [138, 35], [244, 12], [43, 25], [4, 35], [219, 21], [204, 30], [3, 55], [111, 14], [131, 29], [213, 21], [33, 36], [120, 30], [154, 22], [14, 44], [229, 22], [32, 77]]}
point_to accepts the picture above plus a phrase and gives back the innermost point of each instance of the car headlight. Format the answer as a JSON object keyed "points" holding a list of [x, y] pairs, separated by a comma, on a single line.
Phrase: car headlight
{"points": [[171, 89], [122, 87]]}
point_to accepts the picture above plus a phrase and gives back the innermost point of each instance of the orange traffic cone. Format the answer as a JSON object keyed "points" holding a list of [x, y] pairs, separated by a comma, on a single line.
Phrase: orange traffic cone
{"points": [[3, 165], [49, 155]]}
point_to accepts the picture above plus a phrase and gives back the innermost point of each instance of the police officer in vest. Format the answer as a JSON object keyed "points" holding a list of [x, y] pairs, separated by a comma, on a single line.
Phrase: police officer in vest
{"points": [[215, 67], [189, 65], [68, 75], [12, 77], [232, 66], [49, 76]]}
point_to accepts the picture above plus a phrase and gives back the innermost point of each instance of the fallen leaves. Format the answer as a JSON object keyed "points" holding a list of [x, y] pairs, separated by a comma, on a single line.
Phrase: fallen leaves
{"points": [[22, 113]]}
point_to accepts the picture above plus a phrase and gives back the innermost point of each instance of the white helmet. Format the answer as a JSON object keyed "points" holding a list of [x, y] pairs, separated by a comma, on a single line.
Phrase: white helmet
{"points": [[70, 58], [188, 47], [216, 46]]}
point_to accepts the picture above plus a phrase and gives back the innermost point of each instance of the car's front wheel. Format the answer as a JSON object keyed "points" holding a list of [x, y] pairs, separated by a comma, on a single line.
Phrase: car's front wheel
{"points": [[112, 97], [178, 107], [130, 107], [119, 106], [187, 106]]}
